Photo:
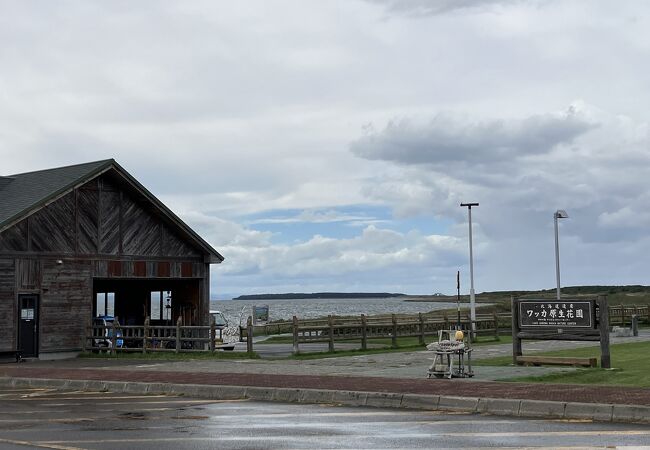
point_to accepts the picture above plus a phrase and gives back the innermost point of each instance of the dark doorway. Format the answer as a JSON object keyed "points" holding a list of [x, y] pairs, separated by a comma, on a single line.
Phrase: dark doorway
{"points": [[28, 325]]}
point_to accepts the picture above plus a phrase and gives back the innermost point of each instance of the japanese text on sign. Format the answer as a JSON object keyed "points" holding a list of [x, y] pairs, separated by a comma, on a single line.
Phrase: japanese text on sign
{"points": [[555, 314]]}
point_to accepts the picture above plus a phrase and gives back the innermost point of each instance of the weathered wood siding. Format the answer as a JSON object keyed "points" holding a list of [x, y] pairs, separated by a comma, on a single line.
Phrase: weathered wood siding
{"points": [[15, 238], [66, 305], [52, 229], [87, 221], [148, 269], [7, 305], [28, 274], [99, 218]]}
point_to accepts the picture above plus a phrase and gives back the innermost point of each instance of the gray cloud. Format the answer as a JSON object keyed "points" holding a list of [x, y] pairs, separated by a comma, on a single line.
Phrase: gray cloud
{"points": [[435, 7], [447, 138]]}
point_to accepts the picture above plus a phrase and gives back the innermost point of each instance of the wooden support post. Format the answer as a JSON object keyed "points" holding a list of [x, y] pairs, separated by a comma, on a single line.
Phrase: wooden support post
{"points": [[178, 334], [446, 319], [364, 333], [113, 338], [249, 335], [294, 330], [145, 335], [393, 342], [421, 320], [495, 317], [516, 342], [605, 362], [622, 315], [213, 334], [330, 323], [88, 332]]}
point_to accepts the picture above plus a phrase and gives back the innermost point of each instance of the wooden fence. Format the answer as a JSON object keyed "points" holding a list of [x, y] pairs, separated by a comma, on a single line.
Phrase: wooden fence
{"points": [[622, 314], [146, 338], [336, 329], [179, 338]]}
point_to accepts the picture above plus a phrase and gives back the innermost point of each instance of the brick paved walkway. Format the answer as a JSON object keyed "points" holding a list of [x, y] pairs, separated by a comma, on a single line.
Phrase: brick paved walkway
{"points": [[552, 392]]}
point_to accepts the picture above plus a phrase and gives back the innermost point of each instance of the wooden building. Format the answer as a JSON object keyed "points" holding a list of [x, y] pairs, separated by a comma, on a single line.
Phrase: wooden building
{"points": [[88, 240]]}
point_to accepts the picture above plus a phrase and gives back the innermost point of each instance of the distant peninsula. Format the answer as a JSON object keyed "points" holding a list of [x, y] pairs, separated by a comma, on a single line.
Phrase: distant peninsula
{"points": [[299, 295]]}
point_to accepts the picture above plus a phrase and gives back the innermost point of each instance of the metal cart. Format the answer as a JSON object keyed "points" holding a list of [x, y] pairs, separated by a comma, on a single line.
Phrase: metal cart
{"points": [[447, 349]]}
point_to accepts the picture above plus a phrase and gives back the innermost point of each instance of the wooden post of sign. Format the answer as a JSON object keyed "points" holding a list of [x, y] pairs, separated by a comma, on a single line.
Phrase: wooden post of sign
{"points": [[516, 342], [603, 325], [394, 333], [364, 333]]}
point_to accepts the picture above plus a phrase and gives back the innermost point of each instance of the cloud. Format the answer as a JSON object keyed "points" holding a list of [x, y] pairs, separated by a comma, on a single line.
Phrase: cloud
{"points": [[586, 160], [452, 139], [417, 8]]}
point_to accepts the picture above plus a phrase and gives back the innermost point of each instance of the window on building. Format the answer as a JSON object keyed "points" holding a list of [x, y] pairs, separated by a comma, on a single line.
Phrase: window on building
{"points": [[160, 306], [105, 304]]}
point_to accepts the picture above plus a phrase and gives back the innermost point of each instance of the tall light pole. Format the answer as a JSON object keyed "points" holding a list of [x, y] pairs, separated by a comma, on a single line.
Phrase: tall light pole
{"points": [[472, 300], [559, 214]]}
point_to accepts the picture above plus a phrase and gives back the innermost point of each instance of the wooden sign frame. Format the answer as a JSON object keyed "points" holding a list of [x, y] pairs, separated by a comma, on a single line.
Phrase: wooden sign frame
{"points": [[533, 326]]}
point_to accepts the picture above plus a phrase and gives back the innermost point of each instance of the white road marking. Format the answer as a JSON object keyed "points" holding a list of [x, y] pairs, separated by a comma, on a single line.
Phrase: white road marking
{"points": [[41, 445]]}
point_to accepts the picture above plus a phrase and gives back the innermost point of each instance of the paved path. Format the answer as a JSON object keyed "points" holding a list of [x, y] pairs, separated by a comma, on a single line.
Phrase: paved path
{"points": [[551, 392], [410, 365]]}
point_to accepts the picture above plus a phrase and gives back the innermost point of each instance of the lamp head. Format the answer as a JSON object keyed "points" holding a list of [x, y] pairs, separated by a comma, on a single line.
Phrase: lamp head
{"points": [[561, 214]]}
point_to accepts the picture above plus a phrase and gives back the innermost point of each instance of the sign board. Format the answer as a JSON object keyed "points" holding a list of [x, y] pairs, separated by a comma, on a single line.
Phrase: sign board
{"points": [[260, 314], [568, 319], [565, 314]]}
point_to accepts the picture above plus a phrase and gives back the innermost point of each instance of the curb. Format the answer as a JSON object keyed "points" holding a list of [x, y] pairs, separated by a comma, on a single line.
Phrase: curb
{"points": [[537, 409]]}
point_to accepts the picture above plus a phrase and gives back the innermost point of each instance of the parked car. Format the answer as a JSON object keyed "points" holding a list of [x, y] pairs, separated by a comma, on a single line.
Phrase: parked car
{"points": [[105, 339]]}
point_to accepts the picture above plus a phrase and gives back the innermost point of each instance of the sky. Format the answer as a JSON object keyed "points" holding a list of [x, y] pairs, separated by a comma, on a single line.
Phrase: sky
{"points": [[327, 146]]}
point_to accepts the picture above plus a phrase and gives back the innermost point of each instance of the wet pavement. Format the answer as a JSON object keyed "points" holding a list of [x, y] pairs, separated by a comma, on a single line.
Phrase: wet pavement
{"points": [[42, 418]]}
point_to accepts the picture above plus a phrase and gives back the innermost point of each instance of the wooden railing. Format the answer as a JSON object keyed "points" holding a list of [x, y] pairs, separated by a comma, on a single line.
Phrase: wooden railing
{"points": [[622, 314], [335, 329], [152, 338], [180, 338]]}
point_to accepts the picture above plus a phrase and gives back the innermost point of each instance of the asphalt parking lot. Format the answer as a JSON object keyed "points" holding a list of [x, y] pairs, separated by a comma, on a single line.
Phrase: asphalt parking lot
{"points": [[43, 418]]}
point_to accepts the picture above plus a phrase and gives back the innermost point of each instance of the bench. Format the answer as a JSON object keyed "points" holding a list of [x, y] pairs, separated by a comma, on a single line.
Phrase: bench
{"points": [[11, 354], [556, 360]]}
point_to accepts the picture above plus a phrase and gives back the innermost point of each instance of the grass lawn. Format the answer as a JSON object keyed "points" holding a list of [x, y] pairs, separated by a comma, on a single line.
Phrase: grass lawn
{"points": [[630, 362], [171, 355], [401, 342], [405, 344]]}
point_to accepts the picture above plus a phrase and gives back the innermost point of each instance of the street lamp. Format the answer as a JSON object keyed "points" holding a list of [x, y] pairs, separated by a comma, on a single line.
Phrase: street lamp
{"points": [[559, 214], [472, 304]]}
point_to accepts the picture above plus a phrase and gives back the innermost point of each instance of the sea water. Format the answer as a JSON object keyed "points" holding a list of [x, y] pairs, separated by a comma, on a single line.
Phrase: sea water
{"points": [[285, 309]]}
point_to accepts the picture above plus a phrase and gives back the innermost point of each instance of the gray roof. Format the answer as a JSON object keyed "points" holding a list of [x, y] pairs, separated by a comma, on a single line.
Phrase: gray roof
{"points": [[24, 193]]}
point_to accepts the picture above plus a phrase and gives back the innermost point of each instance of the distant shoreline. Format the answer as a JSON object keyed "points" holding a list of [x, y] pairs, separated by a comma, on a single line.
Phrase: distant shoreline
{"points": [[319, 295]]}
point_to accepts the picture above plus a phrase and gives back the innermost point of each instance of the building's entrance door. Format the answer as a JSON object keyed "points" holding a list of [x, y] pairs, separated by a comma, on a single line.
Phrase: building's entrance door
{"points": [[28, 325]]}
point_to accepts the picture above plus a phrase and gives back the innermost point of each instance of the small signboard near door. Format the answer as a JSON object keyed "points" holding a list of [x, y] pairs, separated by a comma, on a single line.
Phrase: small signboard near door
{"points": [[28, 325]]}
